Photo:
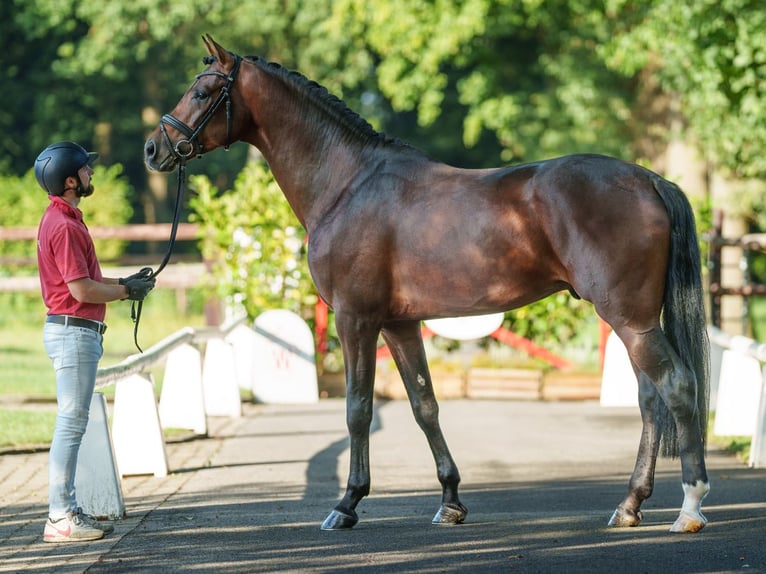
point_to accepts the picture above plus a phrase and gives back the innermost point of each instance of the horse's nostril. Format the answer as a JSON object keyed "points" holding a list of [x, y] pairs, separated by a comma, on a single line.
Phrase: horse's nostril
{"points": [[150, 149]]}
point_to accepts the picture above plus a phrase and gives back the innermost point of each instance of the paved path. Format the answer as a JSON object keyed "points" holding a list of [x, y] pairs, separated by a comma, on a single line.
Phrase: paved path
{"points": [[540, 481]]}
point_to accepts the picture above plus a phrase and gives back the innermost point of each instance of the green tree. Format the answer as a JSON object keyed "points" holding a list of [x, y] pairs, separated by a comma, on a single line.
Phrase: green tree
{"points": [[712, 54], [529, 76]]}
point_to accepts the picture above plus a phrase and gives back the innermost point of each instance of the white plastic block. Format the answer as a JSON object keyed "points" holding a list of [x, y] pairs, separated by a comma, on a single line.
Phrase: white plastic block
{"points": [[182, 401], [219, 380], [619, 386], [284, 359], [243, 340], [138, 441], [97, 481], [739, 395]]}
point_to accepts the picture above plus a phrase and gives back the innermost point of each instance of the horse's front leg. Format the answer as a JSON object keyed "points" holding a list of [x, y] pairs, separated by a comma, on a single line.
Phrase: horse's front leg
{"points": [[358, 339], [406, 345]]}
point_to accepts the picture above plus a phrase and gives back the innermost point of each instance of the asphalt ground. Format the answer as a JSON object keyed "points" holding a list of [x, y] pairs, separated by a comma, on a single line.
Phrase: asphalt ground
{"points": [[540, 480]]}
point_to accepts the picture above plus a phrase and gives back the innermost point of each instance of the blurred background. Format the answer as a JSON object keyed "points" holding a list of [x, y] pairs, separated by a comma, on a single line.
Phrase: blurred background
{"points": [[677, 86]]}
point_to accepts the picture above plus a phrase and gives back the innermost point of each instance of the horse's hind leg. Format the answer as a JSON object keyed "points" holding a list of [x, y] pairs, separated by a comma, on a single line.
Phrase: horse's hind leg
{"points": [[676, 387], [641, 483], [406, 345]]}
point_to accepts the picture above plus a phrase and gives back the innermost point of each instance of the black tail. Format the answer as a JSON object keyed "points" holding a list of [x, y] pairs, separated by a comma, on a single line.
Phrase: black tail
{"points": [[683, 315]]}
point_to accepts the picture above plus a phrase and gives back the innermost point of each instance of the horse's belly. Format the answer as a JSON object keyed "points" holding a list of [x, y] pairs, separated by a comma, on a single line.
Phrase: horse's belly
{"points": [[438, 294]]}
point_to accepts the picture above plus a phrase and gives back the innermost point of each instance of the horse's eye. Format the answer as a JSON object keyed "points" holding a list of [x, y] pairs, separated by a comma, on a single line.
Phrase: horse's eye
{"points": [[200, 96]]}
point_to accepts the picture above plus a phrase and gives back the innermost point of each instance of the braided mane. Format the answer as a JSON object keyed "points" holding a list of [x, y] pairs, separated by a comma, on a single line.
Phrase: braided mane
{"points": [[328, 103]]}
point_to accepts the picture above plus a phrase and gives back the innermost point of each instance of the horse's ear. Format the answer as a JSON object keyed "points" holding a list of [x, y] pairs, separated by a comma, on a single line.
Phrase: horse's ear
{"points": [[215, 49]]}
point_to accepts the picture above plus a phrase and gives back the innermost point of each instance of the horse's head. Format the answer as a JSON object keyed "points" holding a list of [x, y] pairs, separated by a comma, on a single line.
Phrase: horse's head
{"points": [[202, 120]]}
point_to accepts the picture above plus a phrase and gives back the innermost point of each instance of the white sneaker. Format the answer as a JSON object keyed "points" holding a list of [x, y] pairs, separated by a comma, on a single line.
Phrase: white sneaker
{"points": [[91, 520], [71, 528]]}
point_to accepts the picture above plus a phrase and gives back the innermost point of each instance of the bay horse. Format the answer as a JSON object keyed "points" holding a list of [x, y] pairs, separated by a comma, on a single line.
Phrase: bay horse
{"points": [[396, 238]]}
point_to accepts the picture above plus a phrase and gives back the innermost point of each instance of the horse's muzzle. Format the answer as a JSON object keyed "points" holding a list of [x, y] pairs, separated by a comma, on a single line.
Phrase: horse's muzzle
{"points": [[155, 159]]}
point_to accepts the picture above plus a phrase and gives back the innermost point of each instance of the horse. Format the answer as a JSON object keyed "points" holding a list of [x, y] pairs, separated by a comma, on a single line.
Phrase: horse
{"points": [[396, 237]]}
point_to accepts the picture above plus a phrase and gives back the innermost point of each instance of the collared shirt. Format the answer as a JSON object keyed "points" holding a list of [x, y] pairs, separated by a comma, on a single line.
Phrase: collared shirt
{"points": [[65, 253]]}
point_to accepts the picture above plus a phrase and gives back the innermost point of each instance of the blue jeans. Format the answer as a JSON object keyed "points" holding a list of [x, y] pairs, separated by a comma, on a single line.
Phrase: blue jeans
{"points": [[75, 353]]}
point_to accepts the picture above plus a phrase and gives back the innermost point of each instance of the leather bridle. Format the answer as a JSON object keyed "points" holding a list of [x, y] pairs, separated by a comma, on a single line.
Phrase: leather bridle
{"points": [[185, 148]]}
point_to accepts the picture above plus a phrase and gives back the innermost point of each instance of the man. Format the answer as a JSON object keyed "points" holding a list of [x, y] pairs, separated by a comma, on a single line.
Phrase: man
{"points": [[75, 293]]}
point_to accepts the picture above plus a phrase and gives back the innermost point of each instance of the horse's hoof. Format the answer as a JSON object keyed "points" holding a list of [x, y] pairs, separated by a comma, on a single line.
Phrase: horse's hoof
{"points": [[689, 522], [337, 520], [623, 518], [449, 514]]}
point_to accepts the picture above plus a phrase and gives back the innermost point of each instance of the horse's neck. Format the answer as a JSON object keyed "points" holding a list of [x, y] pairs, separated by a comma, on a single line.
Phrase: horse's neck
{"points": [[306, 154]]}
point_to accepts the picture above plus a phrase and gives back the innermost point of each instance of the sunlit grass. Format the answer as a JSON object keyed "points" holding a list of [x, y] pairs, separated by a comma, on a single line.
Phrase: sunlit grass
{"points": [[20, 427]]}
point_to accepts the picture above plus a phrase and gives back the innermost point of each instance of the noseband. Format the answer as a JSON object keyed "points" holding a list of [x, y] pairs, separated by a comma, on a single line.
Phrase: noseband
{"points": [[185, 148]]}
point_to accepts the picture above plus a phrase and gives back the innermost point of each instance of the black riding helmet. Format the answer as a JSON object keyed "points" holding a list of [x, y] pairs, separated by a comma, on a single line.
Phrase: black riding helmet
{"points": [[59, 161]]}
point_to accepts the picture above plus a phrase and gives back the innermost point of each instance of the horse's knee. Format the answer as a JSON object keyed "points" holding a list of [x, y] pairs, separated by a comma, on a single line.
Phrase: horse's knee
{"points": [[426, 413]]}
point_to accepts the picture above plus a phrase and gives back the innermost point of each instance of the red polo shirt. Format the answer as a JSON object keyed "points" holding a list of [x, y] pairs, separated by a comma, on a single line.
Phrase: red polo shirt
{"points": [[65, 252]]}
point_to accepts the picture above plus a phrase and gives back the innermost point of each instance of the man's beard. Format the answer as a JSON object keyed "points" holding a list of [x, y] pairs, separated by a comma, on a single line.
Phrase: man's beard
{"points": [[85, 191]]}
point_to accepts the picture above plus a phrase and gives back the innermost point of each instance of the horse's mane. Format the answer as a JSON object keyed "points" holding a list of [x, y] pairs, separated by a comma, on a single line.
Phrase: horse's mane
{"points": [[329, 103]]}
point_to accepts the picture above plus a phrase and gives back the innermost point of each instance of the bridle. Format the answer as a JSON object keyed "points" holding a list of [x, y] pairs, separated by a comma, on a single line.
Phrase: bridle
{"points": [[182, 151], [185, 148]]}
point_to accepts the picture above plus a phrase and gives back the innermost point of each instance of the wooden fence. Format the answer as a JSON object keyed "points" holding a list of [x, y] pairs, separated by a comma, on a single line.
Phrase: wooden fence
{"points": [[181, 274], [749, 244]]}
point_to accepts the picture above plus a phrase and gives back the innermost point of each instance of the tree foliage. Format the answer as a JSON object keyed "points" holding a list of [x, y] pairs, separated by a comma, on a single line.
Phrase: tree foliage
{"points": [[522, 79], [474, 83], [712, 53]]}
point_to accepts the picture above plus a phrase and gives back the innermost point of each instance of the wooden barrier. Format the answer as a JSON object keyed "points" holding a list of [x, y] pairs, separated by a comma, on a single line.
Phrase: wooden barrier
{"points": [[178, 275], [753, 242], [129, 232]]}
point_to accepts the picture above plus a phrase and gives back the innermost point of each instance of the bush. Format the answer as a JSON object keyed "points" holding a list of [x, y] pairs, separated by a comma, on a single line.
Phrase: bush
{"points": [[255, 242]]}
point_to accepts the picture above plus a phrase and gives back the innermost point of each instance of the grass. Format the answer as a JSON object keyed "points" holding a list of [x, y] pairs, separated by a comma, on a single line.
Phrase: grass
{"points": [[736, 445], [26, 427], [26, 371]]}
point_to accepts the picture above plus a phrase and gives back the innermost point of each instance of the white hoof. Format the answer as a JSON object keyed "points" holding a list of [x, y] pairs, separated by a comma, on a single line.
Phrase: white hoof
{"points": [[687, 522], [691, 519]]}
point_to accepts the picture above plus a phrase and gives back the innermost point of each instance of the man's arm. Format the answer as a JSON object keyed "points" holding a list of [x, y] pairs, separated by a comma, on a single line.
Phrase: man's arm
{"points": [[86, 290]]}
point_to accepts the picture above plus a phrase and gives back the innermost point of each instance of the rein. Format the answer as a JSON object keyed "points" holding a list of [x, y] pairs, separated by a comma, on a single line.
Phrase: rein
{"points": [[182, 150], [147, 272]]}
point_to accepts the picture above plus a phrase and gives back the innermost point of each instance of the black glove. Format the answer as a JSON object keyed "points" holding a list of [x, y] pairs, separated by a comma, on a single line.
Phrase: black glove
{"points": [[145, 273], [138, 287]]}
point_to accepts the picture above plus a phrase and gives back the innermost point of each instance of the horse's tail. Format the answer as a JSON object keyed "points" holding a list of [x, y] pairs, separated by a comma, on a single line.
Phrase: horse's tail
{"points": [[683, 314]]}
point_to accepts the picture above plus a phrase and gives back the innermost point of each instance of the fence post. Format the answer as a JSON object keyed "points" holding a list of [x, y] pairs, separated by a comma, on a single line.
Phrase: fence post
{"points": [[714, 265]]}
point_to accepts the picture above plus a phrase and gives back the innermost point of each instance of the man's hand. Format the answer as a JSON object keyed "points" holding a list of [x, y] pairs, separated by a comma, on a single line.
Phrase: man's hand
{"points": [[145, 273], [138, 287]]}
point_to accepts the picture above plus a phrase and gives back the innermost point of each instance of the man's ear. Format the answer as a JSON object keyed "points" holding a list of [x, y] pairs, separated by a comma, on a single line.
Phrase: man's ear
{"points": [[70, 182]]}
